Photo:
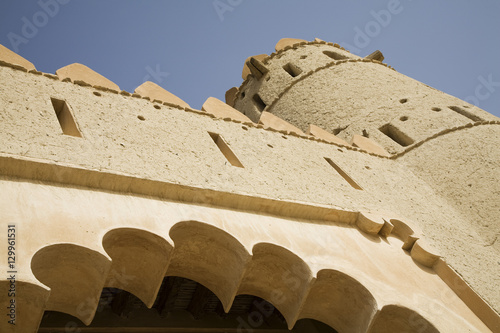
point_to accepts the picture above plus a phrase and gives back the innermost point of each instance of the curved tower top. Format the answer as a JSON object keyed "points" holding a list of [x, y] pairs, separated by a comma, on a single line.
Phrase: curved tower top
{"points": [[325, 85]]}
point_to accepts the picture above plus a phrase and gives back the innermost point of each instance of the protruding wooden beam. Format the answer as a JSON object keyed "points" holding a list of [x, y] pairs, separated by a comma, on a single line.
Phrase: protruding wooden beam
{"points": [[246, 70], [257, 67], [376, 55]]}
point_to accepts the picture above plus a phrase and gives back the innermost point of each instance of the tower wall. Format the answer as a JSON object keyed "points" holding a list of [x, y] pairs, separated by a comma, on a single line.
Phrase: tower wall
{"points": [[350, 95], [93, 177]]}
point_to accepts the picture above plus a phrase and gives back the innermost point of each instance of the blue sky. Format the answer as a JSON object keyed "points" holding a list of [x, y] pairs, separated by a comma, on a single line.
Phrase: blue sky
{"points": [[196, 48]]}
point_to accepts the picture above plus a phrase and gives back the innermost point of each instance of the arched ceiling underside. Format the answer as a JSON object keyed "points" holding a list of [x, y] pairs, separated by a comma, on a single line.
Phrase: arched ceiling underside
{"points": [[354, 277]]}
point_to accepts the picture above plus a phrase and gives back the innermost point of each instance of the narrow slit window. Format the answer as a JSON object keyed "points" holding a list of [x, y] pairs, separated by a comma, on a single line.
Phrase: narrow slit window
{"points": [[343, 174], [225, 150], [465, 113], [396, 135], [335, 55], [65, 118], [292, 69], [259, 102]]}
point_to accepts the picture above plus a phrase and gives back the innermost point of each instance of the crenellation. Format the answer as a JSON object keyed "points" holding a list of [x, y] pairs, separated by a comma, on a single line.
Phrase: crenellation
{"points": [[222, 110], [135, 95], [13, 59], [246, 70], [394, 219], [84, 75]]}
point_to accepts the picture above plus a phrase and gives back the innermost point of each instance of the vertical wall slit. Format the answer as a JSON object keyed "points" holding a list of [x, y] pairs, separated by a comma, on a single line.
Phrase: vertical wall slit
{"points": [[225, 150], [396, 135], [465, 113], [343, 174], [65, 118]]}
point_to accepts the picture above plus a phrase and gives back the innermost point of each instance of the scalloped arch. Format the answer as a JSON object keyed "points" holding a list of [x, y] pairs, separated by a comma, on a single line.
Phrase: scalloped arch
{"points": [[279, 276], [140, 261], [214, 258], [210, 256], [395, 318], [30, 299], [75, 275], [340, 301]]}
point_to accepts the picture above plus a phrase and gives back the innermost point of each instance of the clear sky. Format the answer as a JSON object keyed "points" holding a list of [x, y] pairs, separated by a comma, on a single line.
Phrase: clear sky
{"points": [[196, 48]]}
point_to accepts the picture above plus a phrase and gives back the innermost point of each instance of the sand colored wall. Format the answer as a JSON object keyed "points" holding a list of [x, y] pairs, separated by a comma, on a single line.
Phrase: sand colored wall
{"points": [[350, 96], [130, 144], [94, 239], [464, 168]]}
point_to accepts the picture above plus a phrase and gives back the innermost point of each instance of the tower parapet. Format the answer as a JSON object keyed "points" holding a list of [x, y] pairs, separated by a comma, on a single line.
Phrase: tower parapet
{"points": [[320, 83], [134, 191]]}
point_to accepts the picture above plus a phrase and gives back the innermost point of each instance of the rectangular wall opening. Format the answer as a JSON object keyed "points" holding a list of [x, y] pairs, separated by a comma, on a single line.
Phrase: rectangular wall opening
{"points": [[396, 135], [65, 118], [259, 103], [465, 113], [343, 174], [292, 69], [225, 150], [334, 55]]}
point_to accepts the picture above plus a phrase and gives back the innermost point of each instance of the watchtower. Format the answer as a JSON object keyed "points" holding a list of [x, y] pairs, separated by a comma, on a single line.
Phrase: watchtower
{"points": [[323, 84]]}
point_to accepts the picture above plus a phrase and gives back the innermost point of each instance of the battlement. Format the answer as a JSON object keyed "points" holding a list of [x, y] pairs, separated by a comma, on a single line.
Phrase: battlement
{"points": [[320, 83], [324, 142]]}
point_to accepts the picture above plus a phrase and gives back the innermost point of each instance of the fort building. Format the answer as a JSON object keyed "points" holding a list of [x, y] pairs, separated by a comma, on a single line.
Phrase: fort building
{"points": [[328, 193]]}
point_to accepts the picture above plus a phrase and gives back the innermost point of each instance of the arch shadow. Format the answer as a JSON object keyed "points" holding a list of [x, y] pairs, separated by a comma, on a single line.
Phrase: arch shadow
{"points": [[210, 256], [395, 318], [340, 301], [139, 261], [75, 275], [278, 276]]}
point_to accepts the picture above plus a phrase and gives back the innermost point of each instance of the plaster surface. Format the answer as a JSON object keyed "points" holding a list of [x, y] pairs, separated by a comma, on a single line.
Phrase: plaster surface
{"points": [[135, 154]]}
